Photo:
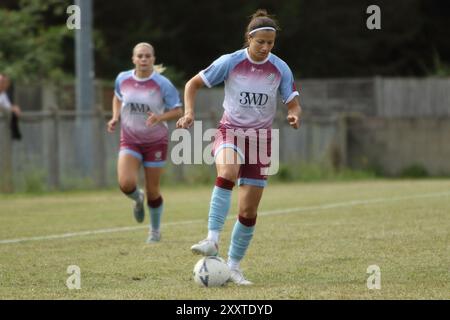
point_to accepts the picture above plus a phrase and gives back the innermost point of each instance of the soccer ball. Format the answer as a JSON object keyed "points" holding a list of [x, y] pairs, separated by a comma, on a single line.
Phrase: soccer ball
{"points": [[211, 272]]}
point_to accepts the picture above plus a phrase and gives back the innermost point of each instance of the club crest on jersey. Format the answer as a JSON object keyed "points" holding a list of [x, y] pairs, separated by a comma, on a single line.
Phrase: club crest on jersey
{"points": [[158, 155], [271, 77]]}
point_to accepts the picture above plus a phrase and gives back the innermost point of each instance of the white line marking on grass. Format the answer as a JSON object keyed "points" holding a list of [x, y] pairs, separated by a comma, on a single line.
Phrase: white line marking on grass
{"points": [[352, 203], [264, 213], [91, 232]]}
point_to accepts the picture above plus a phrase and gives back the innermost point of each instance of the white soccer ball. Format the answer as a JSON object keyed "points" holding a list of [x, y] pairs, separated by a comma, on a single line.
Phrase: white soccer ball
{"points": [[211, 272]]}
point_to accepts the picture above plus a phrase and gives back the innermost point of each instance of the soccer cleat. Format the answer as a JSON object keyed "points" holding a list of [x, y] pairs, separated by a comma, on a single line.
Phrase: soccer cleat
{"points": [[154, 236], [205, 248], [138, 210], [237, 277]]}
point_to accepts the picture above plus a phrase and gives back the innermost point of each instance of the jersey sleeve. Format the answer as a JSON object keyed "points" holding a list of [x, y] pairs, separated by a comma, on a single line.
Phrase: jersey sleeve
{"points": [[287, 87], [171, 96], [217, 72], [117, 91]]}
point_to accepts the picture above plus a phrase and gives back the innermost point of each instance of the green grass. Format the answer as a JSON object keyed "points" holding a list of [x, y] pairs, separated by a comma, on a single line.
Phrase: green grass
{"points": [[313, 253]]}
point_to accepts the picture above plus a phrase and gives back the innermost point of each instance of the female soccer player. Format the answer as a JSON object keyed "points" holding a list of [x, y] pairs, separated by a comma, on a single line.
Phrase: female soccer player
{"points": [[144, 100], [252, 77]]}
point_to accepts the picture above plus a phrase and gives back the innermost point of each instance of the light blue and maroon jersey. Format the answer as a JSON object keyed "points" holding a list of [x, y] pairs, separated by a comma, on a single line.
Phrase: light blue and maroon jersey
{"points": [[250, 88], [153, 94]]}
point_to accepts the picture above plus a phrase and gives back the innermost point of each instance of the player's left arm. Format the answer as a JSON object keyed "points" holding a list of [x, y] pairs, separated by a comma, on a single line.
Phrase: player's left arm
{"points": [[171, 98], [290, 95], [294, 113]]}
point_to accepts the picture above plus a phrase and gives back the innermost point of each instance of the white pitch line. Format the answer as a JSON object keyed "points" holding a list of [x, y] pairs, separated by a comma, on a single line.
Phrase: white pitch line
{"points": [[264, 213], [91, 232], [353, 203]]}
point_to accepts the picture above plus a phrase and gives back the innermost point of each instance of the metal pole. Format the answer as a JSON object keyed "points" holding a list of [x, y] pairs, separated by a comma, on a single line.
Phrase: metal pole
{"points": [[84, 88]]}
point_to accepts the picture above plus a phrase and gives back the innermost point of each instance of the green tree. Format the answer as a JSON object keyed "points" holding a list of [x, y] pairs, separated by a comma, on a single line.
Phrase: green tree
{"points": [[31, 39]]}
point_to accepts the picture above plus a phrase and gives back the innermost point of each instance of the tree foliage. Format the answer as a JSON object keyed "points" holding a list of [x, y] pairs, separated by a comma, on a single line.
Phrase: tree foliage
{"points": [[31, 38]]}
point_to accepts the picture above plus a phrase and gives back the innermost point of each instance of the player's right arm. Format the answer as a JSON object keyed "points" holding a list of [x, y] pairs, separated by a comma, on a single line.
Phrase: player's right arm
{"points": [[116, 105], [190, 92]]}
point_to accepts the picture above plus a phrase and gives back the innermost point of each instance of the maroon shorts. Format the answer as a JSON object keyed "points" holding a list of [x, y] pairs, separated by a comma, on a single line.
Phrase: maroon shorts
{"points": [[254, 149], [152, 155]]}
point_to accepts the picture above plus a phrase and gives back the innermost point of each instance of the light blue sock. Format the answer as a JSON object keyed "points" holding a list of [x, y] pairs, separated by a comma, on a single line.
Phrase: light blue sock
{"points": [[155, 216], [240, 240], [218, 208]]}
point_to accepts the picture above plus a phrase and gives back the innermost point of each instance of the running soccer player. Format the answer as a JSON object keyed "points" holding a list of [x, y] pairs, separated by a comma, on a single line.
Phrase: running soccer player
{"points": [[252, 78], [143, 101]]}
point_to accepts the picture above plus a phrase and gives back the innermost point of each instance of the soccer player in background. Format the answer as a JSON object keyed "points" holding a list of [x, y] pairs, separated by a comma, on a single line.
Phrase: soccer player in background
{"points": [[252, 78], [5, 104], [143, 101]]}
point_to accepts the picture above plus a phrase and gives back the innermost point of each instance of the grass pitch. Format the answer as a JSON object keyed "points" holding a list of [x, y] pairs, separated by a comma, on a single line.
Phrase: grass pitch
{"points": [[312, 241]]}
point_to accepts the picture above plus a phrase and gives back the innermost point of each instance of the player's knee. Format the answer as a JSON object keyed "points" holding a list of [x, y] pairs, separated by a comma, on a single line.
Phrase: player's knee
{"points": [[248, 211], [152, 194], [228, 173], [229, 176], [127, 186]]}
